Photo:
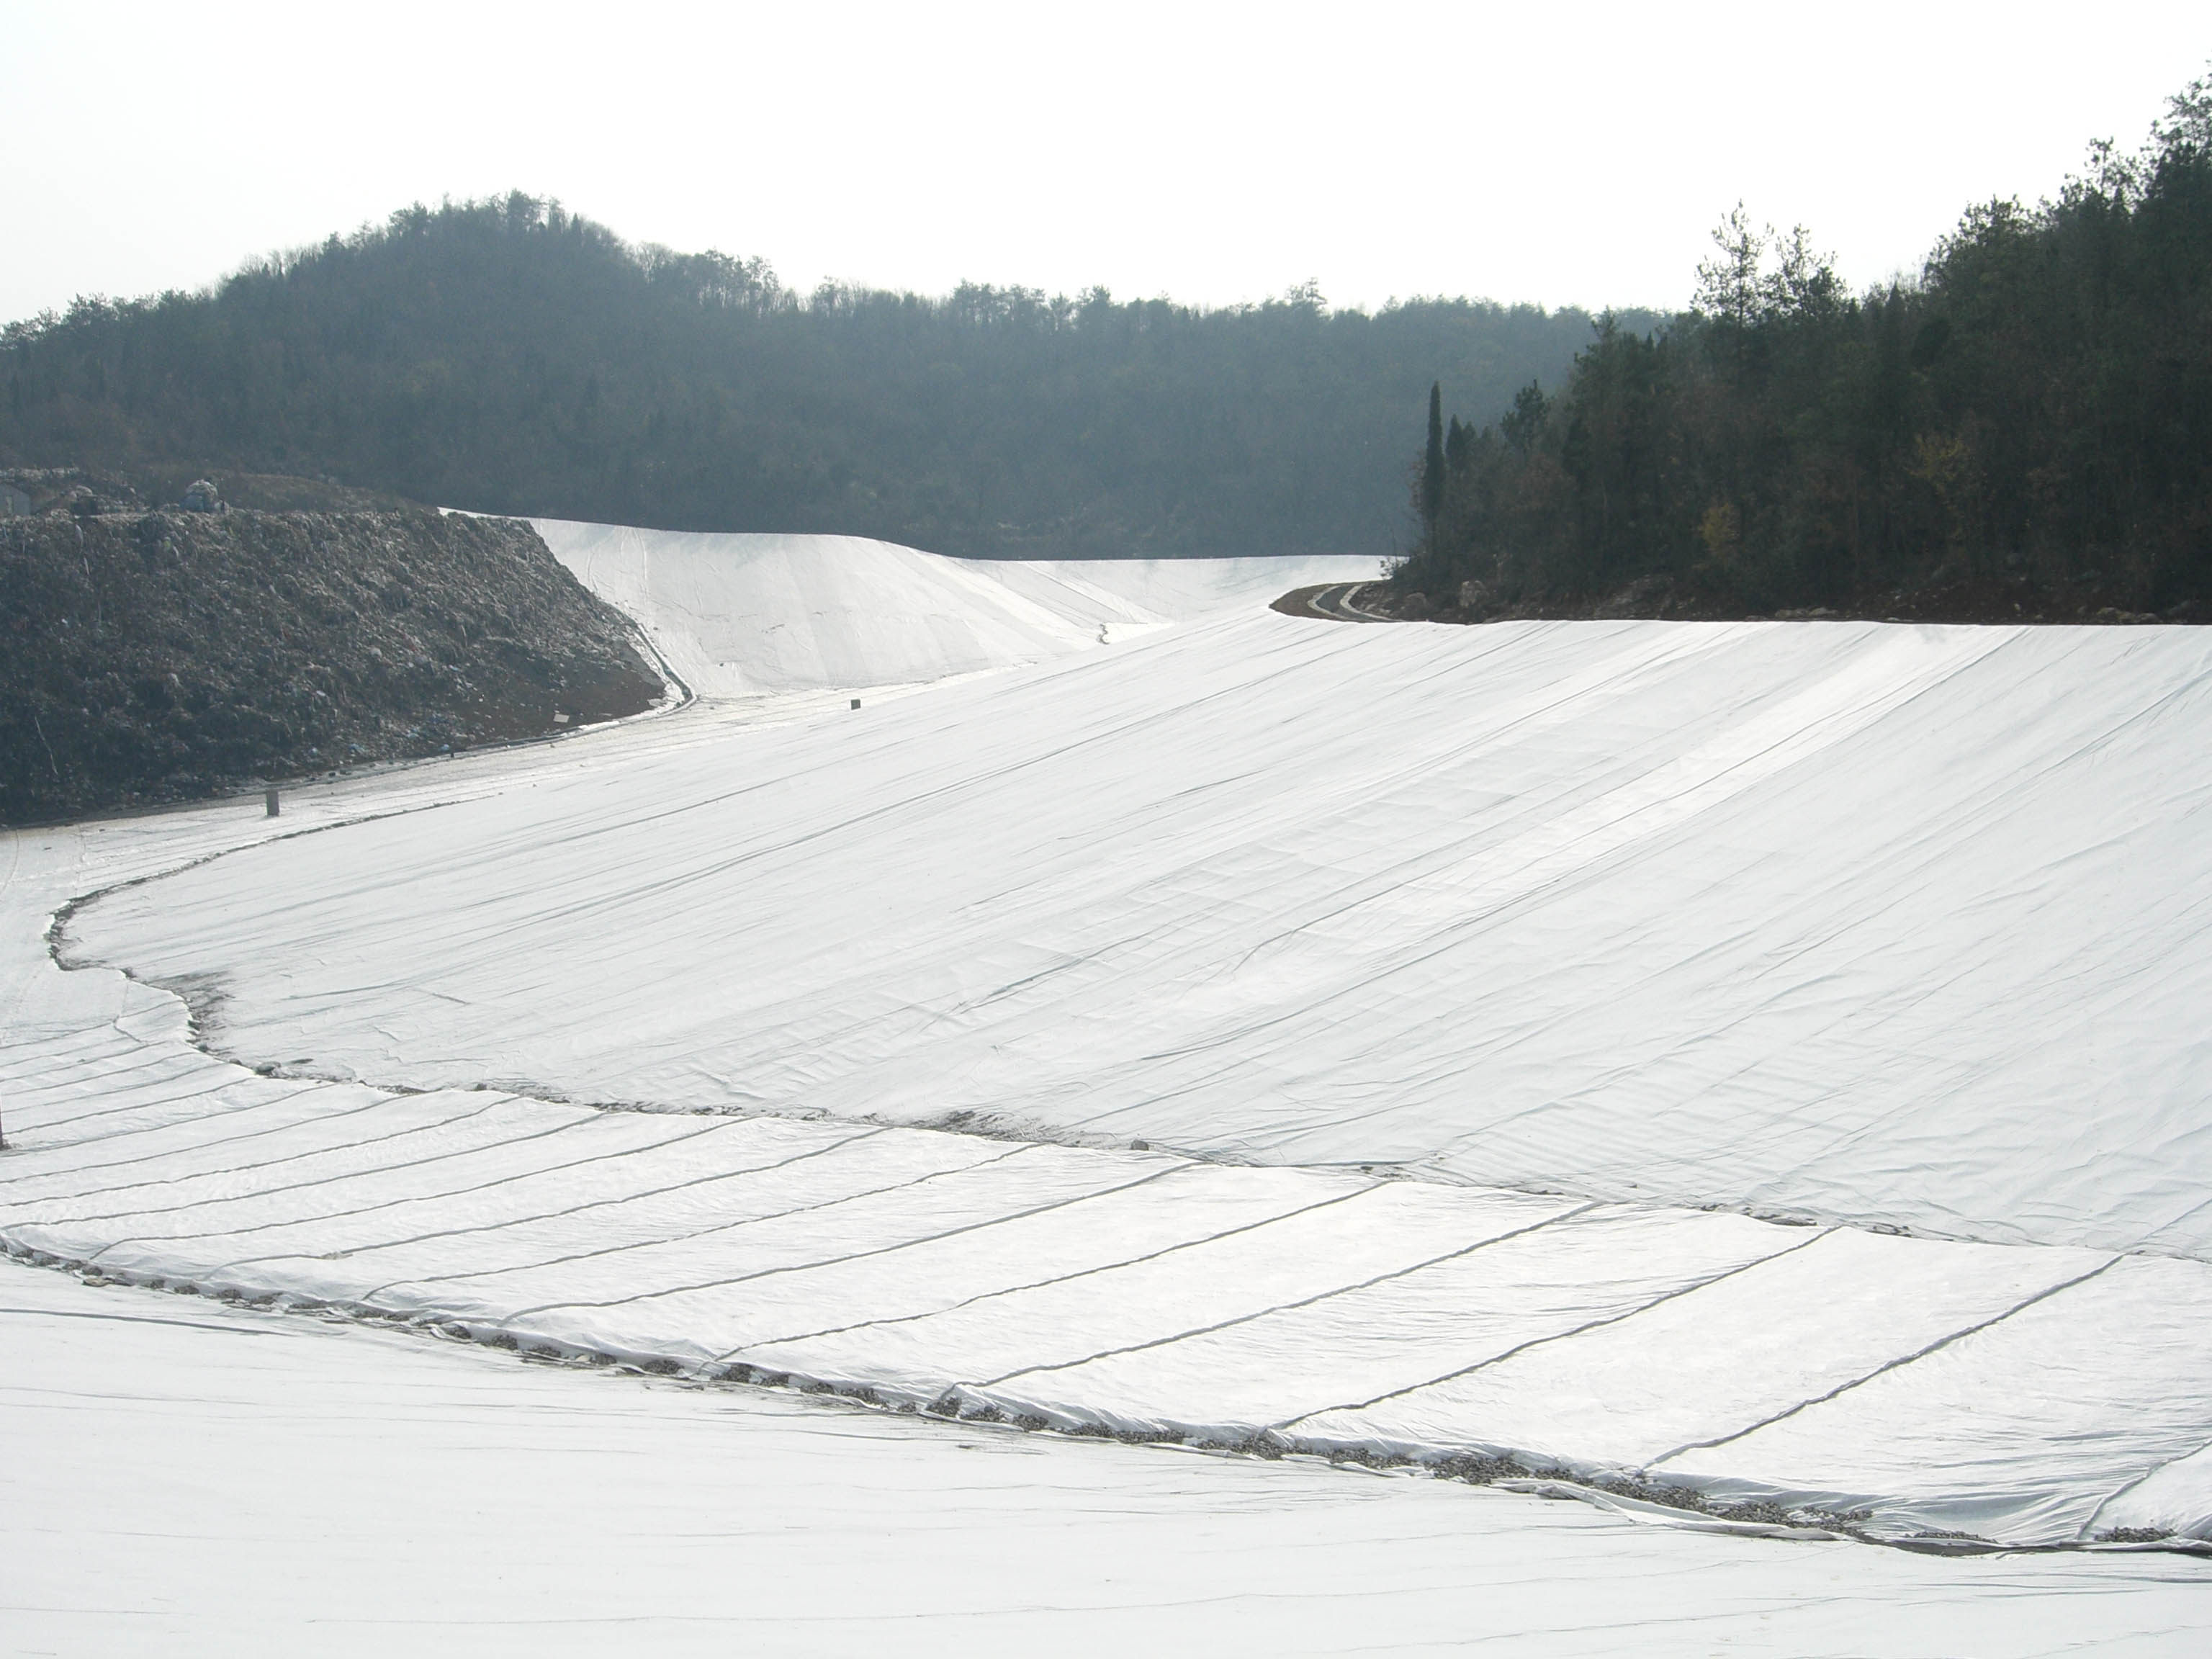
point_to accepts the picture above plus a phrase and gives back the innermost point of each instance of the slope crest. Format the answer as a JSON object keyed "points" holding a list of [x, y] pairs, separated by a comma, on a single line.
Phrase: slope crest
{"points": [[739, 615]]}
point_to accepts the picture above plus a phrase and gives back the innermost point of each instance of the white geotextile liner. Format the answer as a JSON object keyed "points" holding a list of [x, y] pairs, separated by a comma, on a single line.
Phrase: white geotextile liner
{"points": [[392, 1493], [2174, 1497], [693, 1299], [1880, 925], [206, 1148], [688, 1181], [680, 1221], [1230, 1280], [748, 615], [1875, 926], [1185, 1207], [473, 1196], [228, 1110], [1287, 1369], [415, 1138], [2021, 1431], [1728, 1351], [146, 1085], [1143, 1292]]}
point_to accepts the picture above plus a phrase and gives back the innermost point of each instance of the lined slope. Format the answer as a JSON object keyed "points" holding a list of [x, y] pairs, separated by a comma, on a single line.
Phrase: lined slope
{"points": [[1885, 925], [2030, 1395], [752, 615], [392, 1493], [1599, 926]]}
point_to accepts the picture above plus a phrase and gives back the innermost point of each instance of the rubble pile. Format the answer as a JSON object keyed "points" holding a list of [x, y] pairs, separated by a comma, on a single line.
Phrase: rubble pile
{"points": [[149, 657]]}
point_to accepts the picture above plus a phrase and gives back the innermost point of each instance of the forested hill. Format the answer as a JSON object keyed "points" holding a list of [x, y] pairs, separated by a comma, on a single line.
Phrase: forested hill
{"points": [[2023, 433], [508, 357]]}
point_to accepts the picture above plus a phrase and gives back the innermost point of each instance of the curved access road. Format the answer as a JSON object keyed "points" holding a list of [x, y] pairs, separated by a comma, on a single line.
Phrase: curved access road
{"points": [[1335, 602]]}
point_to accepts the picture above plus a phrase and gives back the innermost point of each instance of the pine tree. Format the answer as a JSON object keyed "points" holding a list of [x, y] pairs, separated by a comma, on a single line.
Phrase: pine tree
{"points": [[1432, 463]]}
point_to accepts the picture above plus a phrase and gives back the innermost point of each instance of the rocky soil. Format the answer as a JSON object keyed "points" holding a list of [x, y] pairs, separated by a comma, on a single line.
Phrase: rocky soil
{"points": [[159, 656]]}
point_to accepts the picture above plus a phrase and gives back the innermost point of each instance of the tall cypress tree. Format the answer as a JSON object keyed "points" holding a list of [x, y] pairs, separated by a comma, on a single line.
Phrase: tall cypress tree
{"points": [[1432, 463]]}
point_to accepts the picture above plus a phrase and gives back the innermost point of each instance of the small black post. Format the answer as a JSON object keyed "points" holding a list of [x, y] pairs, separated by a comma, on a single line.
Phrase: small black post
{"points": [[856, 702], [268, 796]]}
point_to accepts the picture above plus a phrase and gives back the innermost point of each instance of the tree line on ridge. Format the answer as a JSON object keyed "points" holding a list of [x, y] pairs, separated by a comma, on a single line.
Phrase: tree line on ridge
{"points": [[507, 356], [2025, 429]]}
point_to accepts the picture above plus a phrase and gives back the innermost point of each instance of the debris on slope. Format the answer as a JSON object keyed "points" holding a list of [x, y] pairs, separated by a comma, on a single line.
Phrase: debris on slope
{"points": [[162, 656]]}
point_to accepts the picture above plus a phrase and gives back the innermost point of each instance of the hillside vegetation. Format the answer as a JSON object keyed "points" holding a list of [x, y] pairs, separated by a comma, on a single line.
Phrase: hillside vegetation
{"points": [[2024, 431], [507, 357]]}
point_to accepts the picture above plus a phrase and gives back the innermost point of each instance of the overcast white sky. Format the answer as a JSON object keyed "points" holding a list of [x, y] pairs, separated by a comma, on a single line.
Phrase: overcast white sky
{"points": [[1212, 153]]}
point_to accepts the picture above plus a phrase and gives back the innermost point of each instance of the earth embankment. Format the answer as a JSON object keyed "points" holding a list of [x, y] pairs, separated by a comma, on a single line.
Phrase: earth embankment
{"points": [[162, 656]]}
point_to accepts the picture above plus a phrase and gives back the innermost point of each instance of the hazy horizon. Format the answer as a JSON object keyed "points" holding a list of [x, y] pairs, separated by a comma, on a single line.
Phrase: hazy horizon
{"points": [[1217, 160]]}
